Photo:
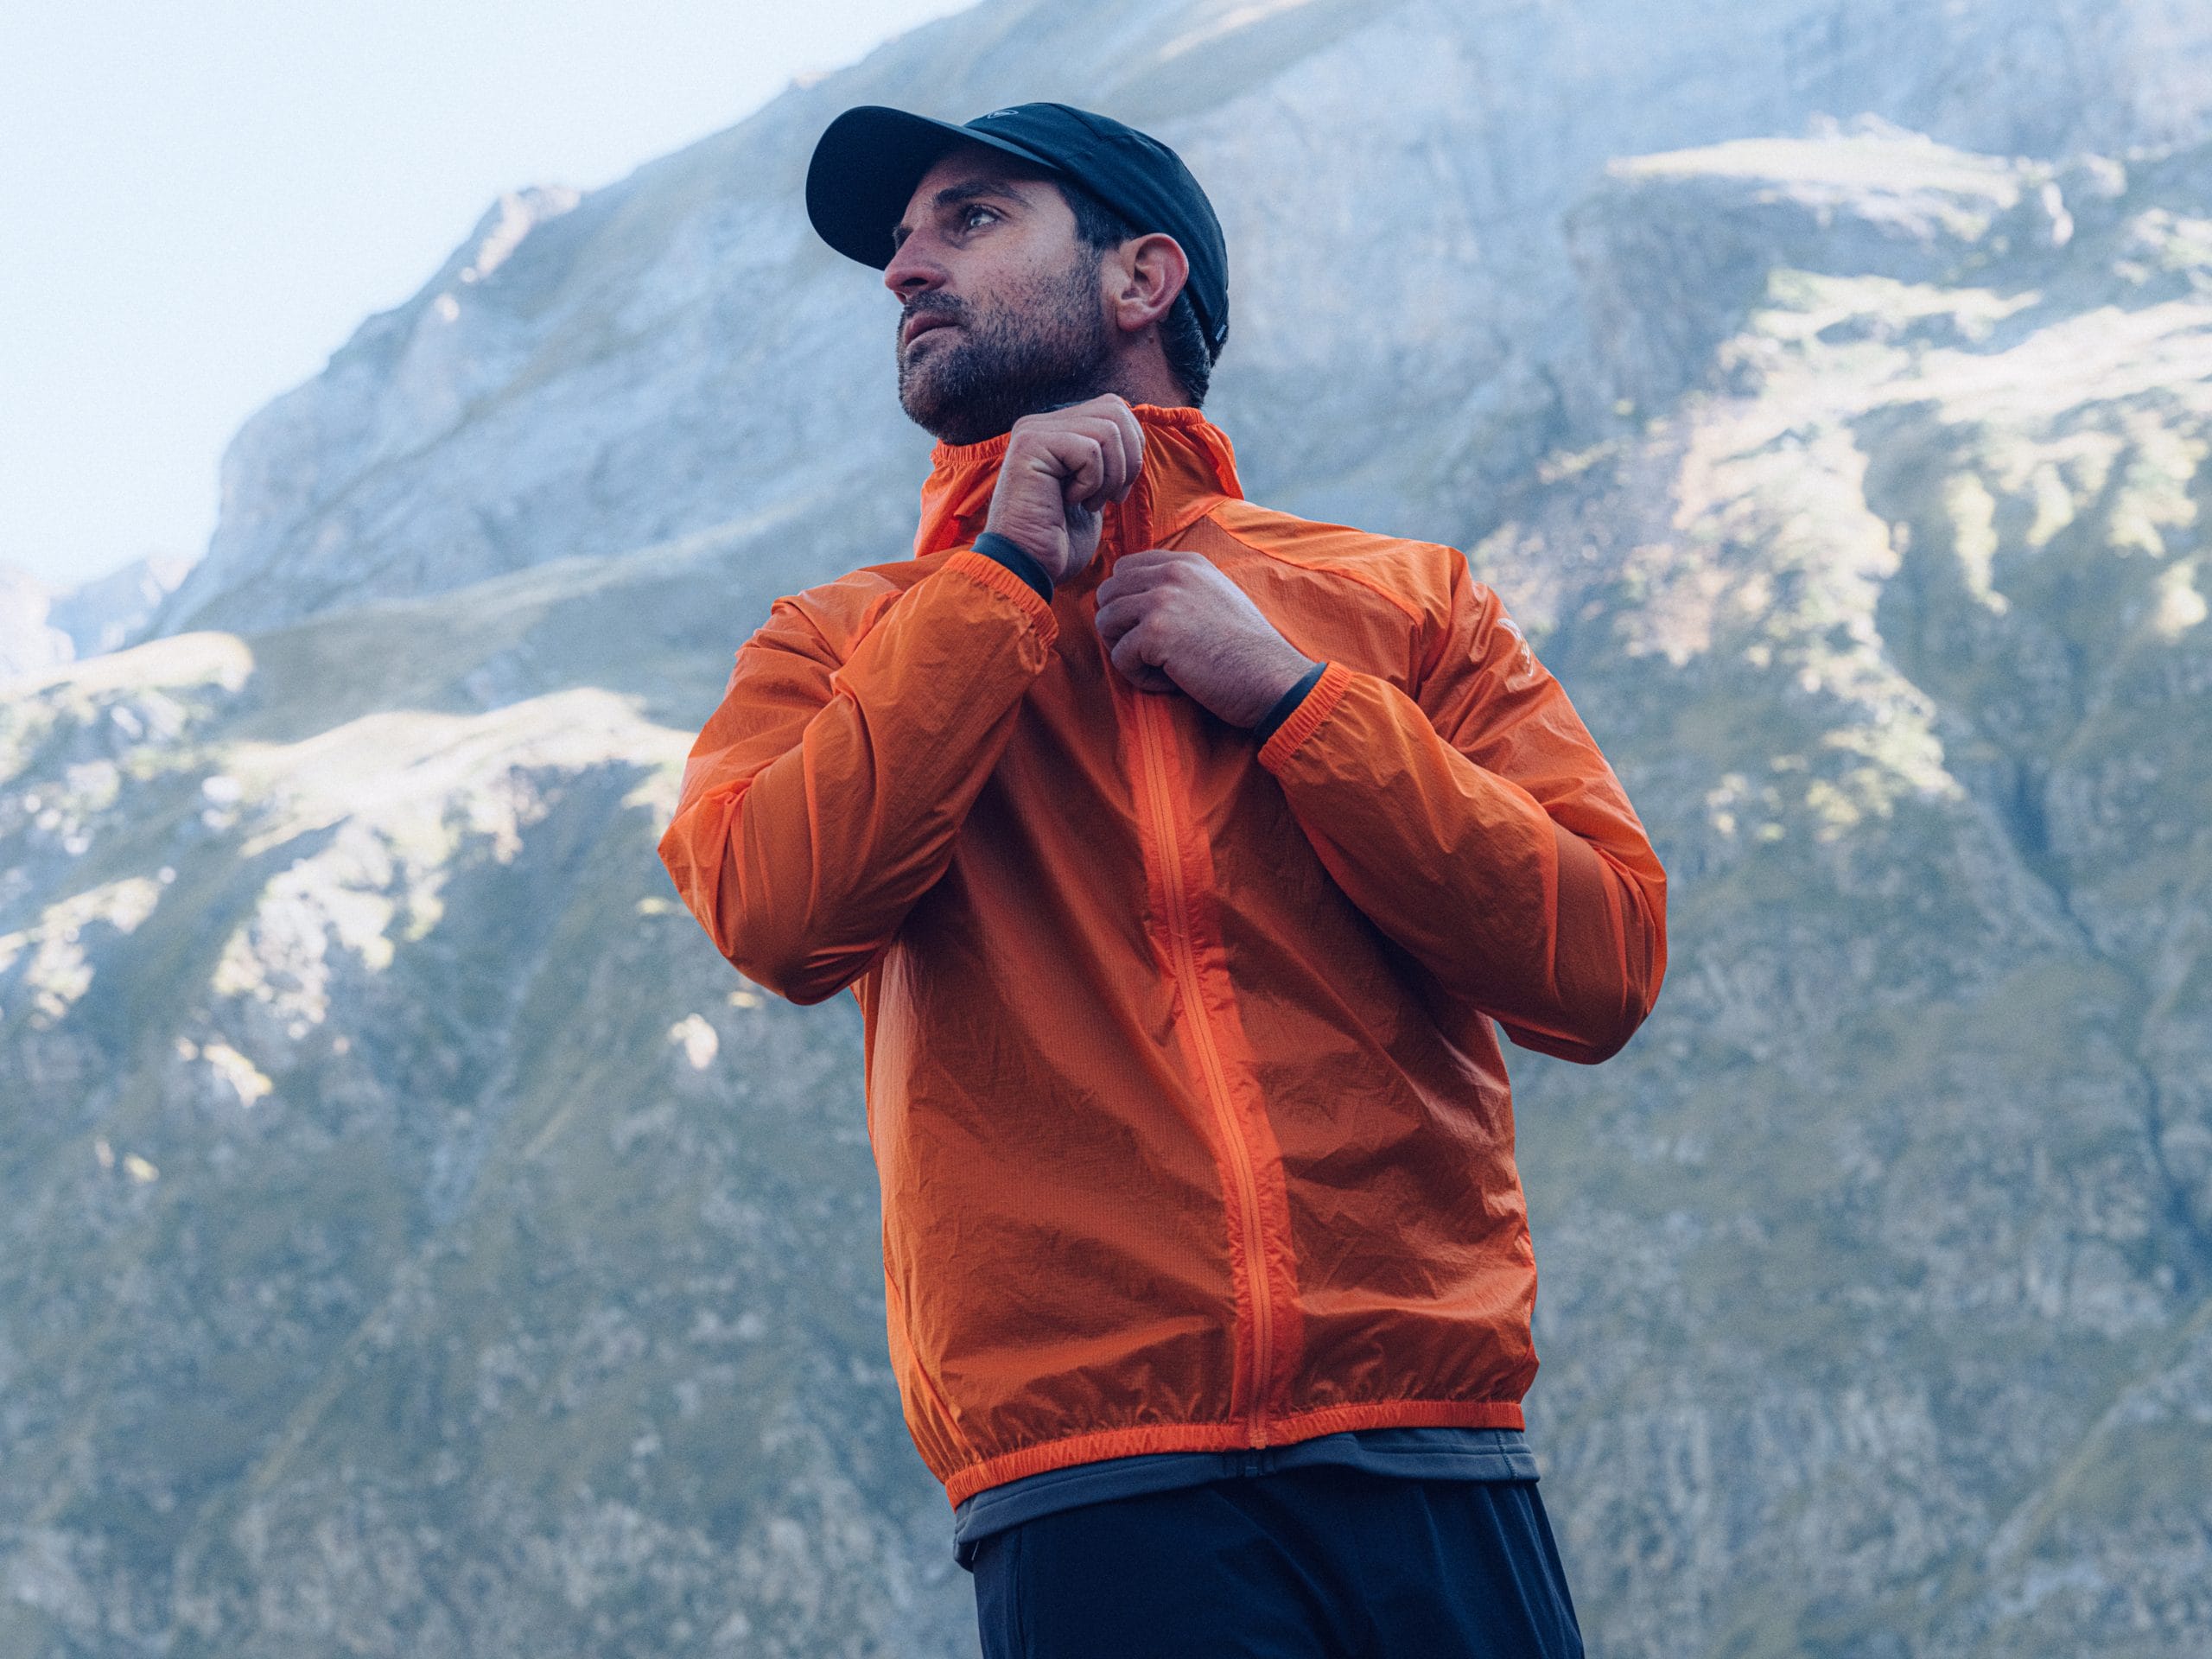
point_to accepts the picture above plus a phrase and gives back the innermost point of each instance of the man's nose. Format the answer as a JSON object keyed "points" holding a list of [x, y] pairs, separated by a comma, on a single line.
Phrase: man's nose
{"points": [[911, 270]]}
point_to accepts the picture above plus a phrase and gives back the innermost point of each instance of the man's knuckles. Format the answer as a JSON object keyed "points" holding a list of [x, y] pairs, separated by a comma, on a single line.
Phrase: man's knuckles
{"points": [[1105, 421], [1138, 655], [1161, 563]]}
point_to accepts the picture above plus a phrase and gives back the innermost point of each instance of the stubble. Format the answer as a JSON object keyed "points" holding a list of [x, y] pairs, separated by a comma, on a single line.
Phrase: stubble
{"points": [[1044, 346]]}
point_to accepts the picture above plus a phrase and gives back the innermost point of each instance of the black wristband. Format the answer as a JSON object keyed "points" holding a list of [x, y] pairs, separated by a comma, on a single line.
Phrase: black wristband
{"points": [[1005, 551], [1289, 701]]}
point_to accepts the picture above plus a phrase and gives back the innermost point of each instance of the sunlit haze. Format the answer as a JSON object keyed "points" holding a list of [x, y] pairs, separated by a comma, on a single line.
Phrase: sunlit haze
{"points": [[201, 201]]}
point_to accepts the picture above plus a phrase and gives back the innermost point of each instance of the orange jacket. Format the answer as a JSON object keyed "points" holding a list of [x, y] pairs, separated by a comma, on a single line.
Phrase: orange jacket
{"points": [[1193, 1128]]}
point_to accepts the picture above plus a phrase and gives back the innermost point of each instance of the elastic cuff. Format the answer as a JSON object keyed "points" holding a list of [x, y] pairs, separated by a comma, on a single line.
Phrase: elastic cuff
{"points": [[1285, 704], [1312, 709], [1000, 580], [1009, 553]]}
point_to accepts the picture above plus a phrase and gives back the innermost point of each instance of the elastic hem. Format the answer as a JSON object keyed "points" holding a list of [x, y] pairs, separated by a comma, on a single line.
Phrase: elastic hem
{"points": [[1306, 718], [965, 1483], [1000, 580]]}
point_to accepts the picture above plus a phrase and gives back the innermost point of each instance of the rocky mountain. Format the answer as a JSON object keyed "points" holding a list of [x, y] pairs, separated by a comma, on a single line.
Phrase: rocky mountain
{"points": [[416, 1240], [42, 625], [117, 609]]}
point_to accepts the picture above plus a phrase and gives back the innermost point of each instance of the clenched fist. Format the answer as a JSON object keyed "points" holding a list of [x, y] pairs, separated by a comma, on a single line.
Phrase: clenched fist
{"points": [[1171, 621], [1062, 470]]}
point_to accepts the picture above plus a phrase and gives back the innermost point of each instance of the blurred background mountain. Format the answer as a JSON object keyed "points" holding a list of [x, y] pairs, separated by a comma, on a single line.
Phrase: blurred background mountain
{"points": [[414, 1241]]}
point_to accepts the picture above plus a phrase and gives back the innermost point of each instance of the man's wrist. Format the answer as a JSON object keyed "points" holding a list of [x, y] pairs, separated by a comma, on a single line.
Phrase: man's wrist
{"points": [[1287, 704], [1005, 551]]}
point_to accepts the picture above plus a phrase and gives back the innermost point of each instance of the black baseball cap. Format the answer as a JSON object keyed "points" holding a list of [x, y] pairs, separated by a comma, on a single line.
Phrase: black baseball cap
{"points": [[868, 161]]}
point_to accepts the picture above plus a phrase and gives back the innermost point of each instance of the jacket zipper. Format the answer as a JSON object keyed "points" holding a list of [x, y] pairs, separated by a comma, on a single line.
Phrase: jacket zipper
{"points": [[1152, 716]]}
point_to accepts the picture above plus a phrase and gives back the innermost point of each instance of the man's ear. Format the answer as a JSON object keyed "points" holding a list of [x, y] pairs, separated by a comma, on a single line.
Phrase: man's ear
{"points": [[1147, 273]]}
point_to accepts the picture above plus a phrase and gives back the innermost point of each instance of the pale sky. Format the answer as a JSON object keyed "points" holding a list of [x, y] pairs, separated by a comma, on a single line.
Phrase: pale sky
{"points": [[199, 199]]}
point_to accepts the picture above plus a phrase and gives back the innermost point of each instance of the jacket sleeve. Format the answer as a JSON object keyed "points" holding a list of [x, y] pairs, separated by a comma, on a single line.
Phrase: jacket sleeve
{"points": [[823, 797], [1477, 826]]}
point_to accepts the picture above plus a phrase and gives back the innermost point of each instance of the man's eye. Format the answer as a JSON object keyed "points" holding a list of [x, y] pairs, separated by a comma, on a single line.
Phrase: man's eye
{"points": [[970, 215]]}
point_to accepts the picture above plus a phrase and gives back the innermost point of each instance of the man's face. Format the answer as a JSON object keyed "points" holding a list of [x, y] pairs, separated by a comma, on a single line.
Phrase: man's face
{"points": [[1002, 312]]}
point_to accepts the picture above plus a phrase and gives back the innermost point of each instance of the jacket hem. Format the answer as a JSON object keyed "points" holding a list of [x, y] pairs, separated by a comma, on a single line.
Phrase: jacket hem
{"points": [[1000, 580], [1306, 719], [965, 1483]]}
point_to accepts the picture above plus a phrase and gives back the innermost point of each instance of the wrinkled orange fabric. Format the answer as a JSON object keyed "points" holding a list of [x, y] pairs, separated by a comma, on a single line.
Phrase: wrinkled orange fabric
{"points": [[1191, 1123]]}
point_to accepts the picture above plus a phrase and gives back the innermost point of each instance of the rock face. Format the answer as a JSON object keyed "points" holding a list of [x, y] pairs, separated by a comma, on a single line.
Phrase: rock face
{"points": [[414, 1241], [41, 626], [678, 352], [117, 609]]}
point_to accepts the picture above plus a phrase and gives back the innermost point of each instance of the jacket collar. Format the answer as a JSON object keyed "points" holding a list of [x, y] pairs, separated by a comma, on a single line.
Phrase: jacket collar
{"points": [[1189, 468]]}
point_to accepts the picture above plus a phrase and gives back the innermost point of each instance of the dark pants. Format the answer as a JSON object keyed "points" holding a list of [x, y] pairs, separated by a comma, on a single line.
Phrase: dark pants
{"points": [[1322, 1563]]}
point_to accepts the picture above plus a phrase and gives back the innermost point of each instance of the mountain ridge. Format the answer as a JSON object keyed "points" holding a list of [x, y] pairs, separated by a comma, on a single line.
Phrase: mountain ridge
{"points": [[722, 215]]}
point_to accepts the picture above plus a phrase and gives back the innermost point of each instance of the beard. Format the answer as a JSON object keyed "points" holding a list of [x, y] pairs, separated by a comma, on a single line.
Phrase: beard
{"points": [[1046, 346]]}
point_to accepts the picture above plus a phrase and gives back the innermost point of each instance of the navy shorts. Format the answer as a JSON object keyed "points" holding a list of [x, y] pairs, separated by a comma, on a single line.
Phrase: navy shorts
{"points": [[1318, 1563]]}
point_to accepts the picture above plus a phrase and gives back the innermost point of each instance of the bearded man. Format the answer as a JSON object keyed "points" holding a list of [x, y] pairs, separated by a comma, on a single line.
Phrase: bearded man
{"points": [[1181, 854]]}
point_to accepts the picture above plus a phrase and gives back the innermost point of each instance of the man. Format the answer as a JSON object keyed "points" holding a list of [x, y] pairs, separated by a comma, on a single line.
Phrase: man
{"points": [[1181, 854]]}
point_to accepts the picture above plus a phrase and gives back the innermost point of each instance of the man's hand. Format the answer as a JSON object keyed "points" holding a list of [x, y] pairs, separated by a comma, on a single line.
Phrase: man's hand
{"points": [[1062, 470], [1171, 621]]}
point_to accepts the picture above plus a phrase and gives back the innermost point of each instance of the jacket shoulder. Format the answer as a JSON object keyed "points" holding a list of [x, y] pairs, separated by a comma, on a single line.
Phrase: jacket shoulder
{"points": [[839, 615], [1418, 578]]}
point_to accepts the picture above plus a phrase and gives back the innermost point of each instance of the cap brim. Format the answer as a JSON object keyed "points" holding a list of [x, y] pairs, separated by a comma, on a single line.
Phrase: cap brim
{"points": [[865, 169]]}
